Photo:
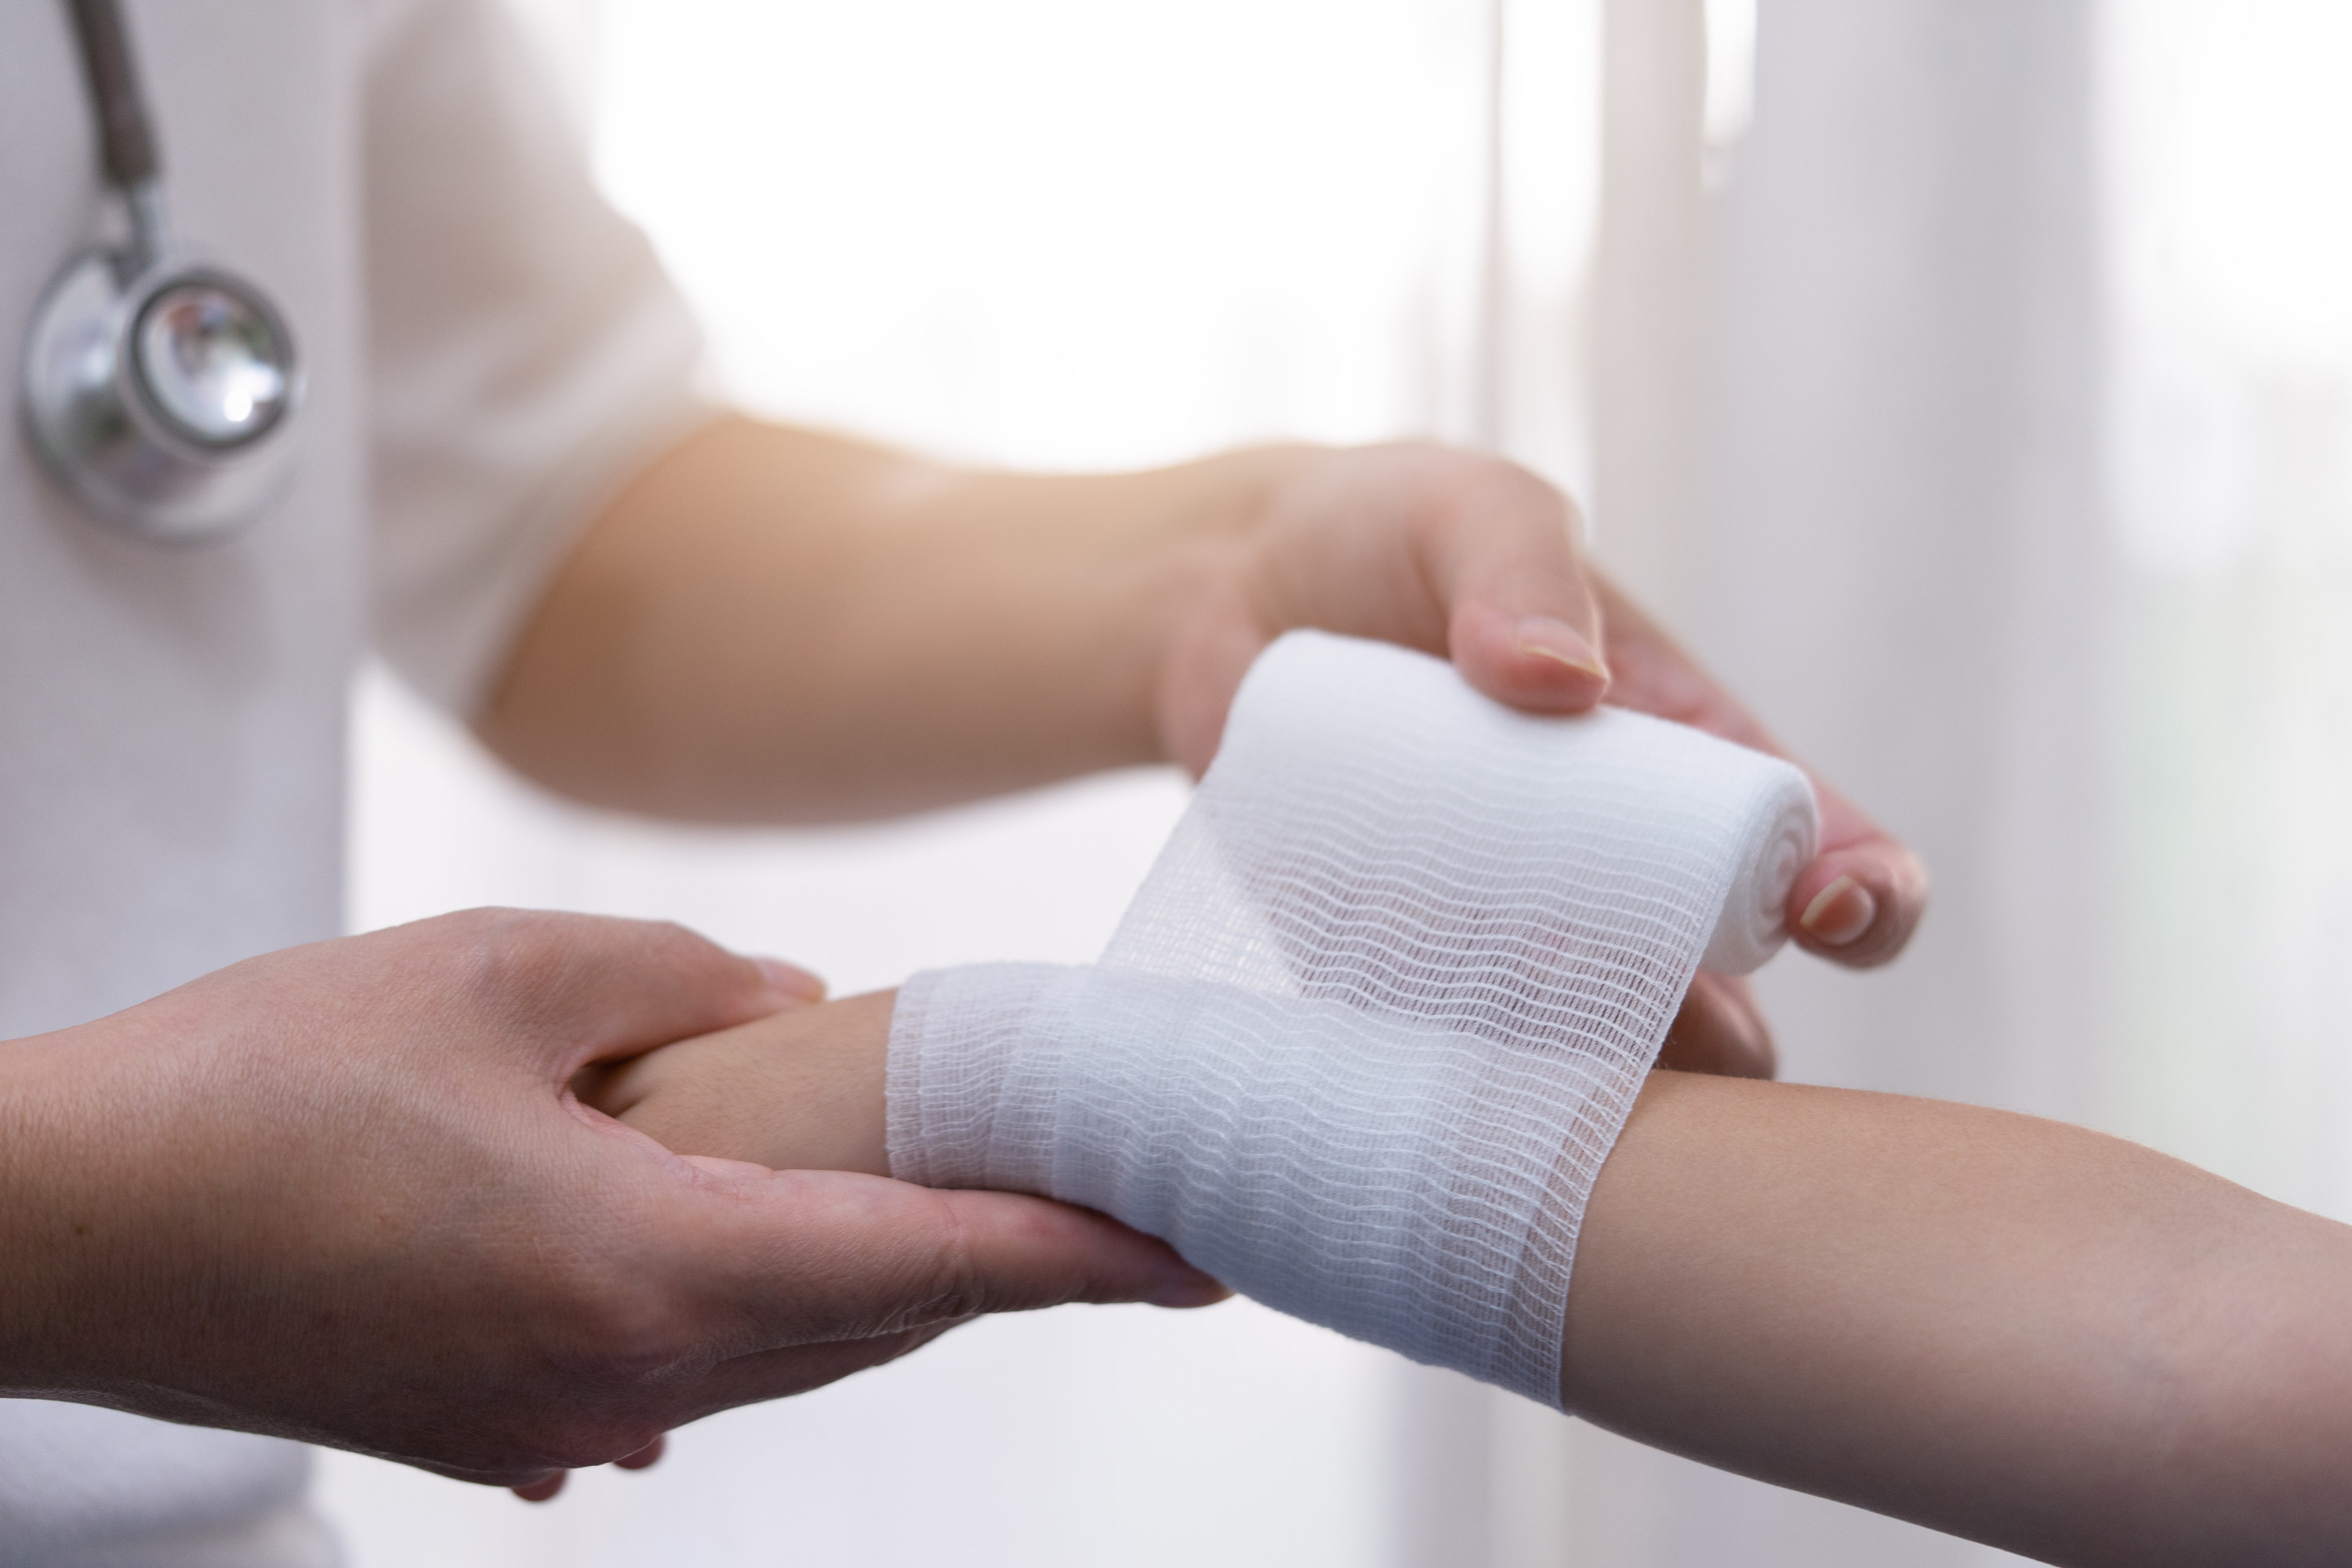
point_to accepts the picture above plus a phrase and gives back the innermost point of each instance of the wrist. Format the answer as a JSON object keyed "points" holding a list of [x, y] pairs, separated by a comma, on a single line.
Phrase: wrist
{"points": [[799, 1089], [1206, 626], [50, 1232]]}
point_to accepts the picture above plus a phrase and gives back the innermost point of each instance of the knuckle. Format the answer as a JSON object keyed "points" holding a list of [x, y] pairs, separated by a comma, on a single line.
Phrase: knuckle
{"points": [[1454, 491], [499, 956], [522, 960], [631, 1327], [953, 1287], [939, 1282], [625, 1333], [679, 949]]}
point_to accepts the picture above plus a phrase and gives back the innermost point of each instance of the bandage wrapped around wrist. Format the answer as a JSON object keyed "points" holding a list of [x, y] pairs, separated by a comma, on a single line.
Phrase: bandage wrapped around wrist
{"points": [[1380, 1012]]}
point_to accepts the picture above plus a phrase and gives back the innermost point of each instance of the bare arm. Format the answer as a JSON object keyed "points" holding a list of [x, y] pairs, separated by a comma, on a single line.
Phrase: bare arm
{"points": [[774, 624], [2004, 1328], [777, 625], [781, 625]]}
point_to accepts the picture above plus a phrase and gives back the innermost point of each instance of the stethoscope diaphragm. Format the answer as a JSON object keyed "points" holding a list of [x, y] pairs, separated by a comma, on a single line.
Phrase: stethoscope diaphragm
{"points": [[159, 389]]}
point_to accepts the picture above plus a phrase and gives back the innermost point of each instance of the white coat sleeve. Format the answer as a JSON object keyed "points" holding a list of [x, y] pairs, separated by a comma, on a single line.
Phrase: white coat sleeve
{"points": [[528, 354]]}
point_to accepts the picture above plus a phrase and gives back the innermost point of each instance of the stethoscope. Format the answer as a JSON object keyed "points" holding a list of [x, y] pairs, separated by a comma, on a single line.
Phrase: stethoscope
{"points": [[161, 390]]}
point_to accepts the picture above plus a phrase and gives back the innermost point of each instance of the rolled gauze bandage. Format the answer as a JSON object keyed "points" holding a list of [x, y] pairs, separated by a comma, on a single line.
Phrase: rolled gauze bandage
{"points": [[1380, 1010]]}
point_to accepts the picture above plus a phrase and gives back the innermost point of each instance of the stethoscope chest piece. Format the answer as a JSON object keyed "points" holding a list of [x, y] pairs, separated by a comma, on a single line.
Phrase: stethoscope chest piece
{"points": [[160, 390], [163, 401]]}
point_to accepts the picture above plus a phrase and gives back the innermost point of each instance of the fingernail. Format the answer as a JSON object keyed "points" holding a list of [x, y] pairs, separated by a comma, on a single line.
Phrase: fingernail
{"points": [[1548, 636], [1838, 913], [792, 980], [1190, 1291]]}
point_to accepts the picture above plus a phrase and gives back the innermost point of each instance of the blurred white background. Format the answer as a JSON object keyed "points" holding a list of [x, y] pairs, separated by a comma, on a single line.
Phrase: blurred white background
{"points": [[1970, 380]]}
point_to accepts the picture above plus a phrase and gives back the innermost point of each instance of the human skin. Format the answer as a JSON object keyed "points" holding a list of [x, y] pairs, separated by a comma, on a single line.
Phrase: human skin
{"points": [[2004, 1328], [232, 1206], [769, 624], [774, 624], [778, 625]]}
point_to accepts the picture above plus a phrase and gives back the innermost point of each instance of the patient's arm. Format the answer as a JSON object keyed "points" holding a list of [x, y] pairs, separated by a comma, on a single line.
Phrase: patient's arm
{"points": [[2008, 1329]]}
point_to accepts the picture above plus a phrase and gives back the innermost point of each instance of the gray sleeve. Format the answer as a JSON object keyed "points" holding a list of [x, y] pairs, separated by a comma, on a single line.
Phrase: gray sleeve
{"points": [[529, 356]]}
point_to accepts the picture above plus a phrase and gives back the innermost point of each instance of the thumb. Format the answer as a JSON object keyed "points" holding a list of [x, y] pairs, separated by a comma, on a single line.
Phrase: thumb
{"points": [[1523, 623], [804, 1277], [1007, 1252], [804, 1257]]}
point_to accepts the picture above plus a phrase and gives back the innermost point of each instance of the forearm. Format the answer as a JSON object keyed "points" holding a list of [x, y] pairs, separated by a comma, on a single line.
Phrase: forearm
{"points": [[2005, 1327], [772, 624], [91, 1183], [37, 1237], [2001, 1327]]}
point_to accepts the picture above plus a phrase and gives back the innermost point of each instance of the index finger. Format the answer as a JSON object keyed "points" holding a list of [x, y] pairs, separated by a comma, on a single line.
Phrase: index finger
{"points": [[586, 988], [1859, 900], [1523, 620]]}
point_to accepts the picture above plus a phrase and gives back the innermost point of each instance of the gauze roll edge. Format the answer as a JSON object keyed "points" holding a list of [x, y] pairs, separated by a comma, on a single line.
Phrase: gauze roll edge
{"points": [[1371, 1026]]}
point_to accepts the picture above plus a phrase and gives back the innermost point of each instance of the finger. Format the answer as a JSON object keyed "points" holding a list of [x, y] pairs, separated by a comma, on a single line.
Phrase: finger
{"points": [[1721, 1031], [1003, 1252], [1523, 623], [792, 1258], [546, 1486], [644, 1457], [1862, 897], [790, 980], [588, 988], [1866, 921]]}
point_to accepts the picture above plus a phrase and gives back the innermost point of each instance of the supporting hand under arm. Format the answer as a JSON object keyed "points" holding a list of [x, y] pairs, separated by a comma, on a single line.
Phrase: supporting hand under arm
{"points": [[339, 1194]]}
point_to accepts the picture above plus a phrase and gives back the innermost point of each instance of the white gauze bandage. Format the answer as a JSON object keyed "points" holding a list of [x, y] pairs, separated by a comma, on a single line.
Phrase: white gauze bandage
{"points": [[1380, 1010]]}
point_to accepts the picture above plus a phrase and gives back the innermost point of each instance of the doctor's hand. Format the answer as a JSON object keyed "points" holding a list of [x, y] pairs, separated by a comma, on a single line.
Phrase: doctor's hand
{"points": [[774, 624], [343, 1194], [1476, 559]]}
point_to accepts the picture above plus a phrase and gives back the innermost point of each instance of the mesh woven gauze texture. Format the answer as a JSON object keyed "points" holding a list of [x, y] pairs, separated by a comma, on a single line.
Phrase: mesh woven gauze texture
{"points": [[1366, 1033]]}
